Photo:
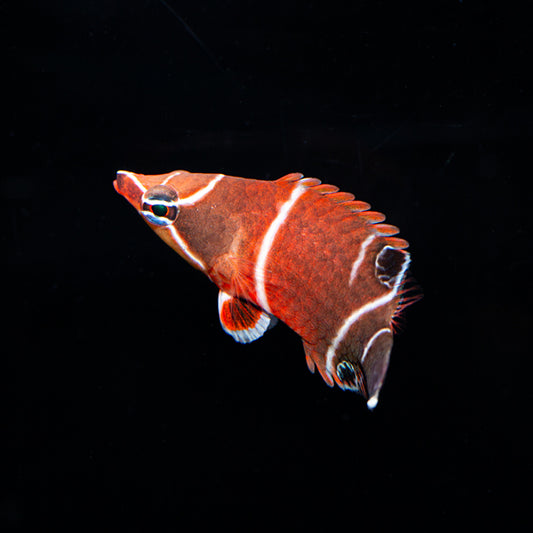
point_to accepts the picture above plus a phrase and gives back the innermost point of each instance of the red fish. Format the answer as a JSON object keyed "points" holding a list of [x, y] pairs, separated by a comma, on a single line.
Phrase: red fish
{"points": [[293, 249]]}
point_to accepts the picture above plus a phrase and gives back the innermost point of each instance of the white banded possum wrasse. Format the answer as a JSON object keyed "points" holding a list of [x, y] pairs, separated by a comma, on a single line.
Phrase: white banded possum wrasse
{"points": [[292, 249]]}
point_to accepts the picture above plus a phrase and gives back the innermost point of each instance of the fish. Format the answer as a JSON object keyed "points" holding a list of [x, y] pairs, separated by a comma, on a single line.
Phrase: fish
{"points": [[295, 250]]}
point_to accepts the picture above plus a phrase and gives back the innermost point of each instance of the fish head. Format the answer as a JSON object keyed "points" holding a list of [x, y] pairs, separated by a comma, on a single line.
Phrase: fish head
{"points": [[170, 203], [153, 196]]}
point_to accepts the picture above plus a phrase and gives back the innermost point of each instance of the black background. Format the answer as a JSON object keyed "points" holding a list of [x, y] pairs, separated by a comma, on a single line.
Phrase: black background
{"points": [[122, 392]]}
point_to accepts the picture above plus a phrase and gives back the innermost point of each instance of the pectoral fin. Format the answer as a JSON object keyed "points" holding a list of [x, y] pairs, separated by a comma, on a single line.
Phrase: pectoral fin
{"points": [[241, 319]]}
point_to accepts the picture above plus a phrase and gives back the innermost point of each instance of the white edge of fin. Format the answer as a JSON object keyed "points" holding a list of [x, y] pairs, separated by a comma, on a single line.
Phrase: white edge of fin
{"points": [[244, 336], [372, 402]]}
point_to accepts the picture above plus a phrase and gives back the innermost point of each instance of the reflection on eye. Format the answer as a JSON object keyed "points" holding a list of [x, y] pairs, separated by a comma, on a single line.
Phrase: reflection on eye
{"points": [[159, 210]]}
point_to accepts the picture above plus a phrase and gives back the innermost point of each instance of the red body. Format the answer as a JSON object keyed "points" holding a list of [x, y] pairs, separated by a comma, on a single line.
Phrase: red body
{"points": [[294, 249]]}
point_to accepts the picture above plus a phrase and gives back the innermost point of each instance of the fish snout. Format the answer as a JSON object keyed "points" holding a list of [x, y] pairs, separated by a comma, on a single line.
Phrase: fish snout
{"points": [[128, 185], [120, 182]]}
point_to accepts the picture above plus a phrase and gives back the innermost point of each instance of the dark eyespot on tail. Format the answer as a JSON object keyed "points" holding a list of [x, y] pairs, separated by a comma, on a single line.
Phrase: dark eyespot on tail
{"points": [[391, 265], [351, 377]]}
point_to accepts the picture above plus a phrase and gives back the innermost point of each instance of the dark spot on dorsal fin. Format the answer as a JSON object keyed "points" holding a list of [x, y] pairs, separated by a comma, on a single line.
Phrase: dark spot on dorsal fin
{"points": [[390, 263]]}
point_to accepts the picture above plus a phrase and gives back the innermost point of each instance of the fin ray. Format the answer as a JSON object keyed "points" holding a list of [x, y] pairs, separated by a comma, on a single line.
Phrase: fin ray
{"points": [[314, 360], [293, 176], [241, 319]]}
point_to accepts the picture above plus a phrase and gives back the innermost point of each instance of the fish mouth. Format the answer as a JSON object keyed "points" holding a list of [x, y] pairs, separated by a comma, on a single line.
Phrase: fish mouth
{"points": [[123, 176], [118, 183], [128, 185]]}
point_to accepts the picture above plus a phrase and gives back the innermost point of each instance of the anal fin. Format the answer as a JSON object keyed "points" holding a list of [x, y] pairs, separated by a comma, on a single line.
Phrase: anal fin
{"points": [[241, 319], [316, 359]]}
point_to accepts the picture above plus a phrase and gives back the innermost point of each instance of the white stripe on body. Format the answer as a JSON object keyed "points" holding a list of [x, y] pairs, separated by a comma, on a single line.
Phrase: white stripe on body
{"points": [[133, 178], [268, 241], [358, 313], [187, 201], [178, 239], [360, 257], [371, 341], [168, 178], [201, 193]]}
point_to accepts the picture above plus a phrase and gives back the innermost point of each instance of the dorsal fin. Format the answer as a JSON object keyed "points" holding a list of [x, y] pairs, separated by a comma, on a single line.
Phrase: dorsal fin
{"points": [[396, 242], [325, 188], [293, 176], [357, 208], [310, 182], [372, 217], [341, 197], [386, 229]]}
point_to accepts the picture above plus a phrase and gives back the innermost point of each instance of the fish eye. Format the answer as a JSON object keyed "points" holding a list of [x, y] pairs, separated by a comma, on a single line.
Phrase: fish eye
{"points": [[160, 205], [159, 210]]}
